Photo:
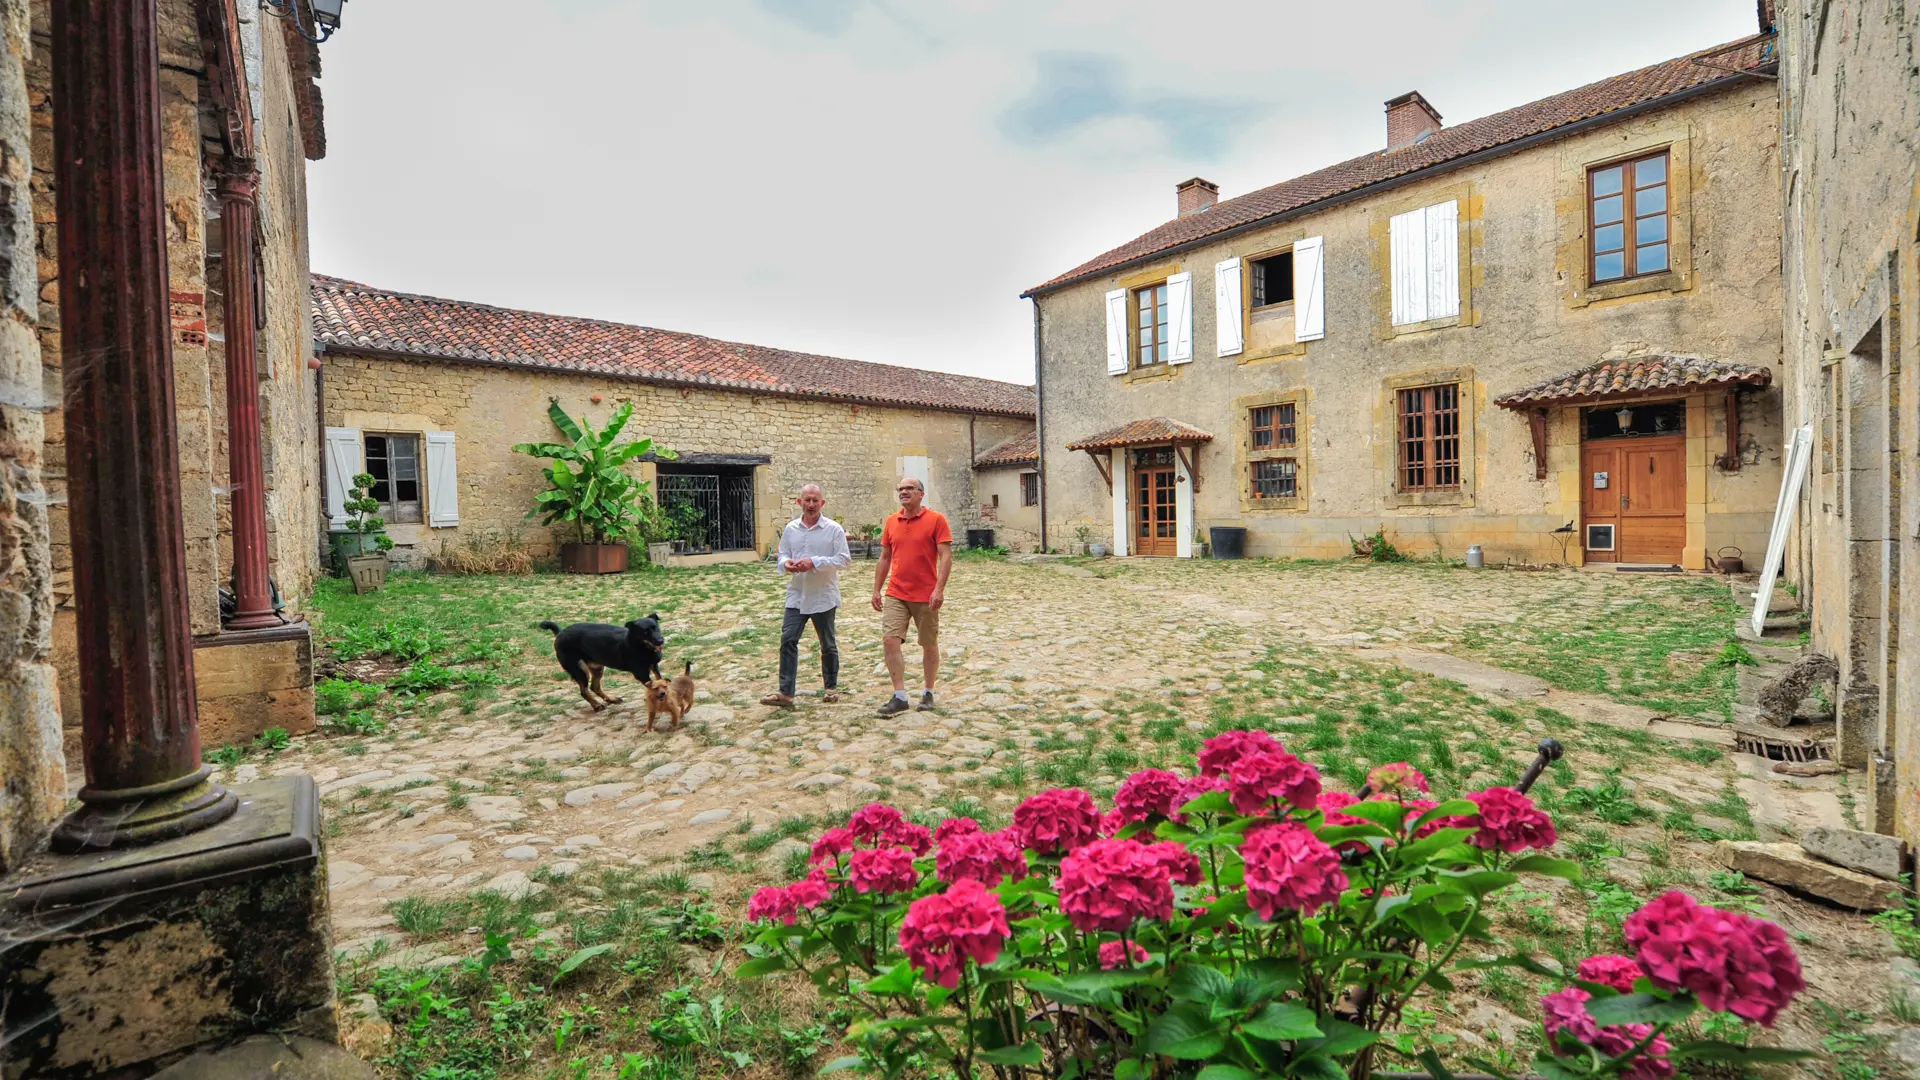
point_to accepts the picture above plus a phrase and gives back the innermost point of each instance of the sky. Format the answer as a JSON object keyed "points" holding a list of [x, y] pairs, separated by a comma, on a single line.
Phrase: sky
{"points": [[876, 179]]}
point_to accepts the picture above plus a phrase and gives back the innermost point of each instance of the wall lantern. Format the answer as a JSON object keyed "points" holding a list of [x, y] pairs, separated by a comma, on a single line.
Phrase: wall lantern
{"points": [[1624, 418], [326, 16]]}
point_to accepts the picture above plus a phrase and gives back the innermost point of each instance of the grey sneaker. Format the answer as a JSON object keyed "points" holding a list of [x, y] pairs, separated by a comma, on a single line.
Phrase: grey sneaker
{"points": [[926, 701], [894, 707]]}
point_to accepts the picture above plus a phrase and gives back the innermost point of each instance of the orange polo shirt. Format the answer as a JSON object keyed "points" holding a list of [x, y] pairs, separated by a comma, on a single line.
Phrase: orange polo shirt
{"points": [[915, 545]]}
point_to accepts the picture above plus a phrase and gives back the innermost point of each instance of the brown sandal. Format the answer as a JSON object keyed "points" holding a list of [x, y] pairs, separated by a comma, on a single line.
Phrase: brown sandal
{"points": [[779, 701], [830, 696]]}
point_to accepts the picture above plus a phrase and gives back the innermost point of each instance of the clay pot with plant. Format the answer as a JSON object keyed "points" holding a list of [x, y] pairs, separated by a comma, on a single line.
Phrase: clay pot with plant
{"points": [[361, 551], [591, 490]]}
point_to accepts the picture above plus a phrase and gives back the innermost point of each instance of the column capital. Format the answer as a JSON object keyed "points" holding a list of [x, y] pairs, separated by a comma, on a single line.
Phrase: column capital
{"points": [[236, 178]]}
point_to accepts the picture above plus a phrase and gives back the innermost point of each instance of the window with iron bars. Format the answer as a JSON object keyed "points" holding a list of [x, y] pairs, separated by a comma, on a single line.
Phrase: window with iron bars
{"points": [[1273, 426], [1430, 438], [1275, 478]]}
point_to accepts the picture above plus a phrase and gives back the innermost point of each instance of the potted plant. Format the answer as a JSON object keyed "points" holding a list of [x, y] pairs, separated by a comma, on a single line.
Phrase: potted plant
{"points": [[655, 530], [1081, 534], [857, 541], [591, 489], [361, 551], [689, 533]]}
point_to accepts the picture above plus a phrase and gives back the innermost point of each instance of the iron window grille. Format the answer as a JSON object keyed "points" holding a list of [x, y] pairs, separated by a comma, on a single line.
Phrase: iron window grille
{"points": [[1430, 438]]}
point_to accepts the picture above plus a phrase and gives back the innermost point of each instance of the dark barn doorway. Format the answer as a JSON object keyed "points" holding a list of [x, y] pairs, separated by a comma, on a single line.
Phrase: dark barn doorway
{"points": [[712, 497]]}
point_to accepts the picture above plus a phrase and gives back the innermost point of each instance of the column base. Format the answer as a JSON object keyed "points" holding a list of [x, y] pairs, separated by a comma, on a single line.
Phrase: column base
{"points": [[122, 962], [118, 819]]}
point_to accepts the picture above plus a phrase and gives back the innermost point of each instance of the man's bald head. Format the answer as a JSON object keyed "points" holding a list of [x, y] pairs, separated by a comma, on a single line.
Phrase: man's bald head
{"points": [[811, 499]]}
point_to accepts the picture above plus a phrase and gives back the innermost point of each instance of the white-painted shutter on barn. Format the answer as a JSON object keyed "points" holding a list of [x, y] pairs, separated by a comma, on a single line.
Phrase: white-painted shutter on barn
{"points": [[443, 481], [1117, 332], [345, 460], [1226, 306], [1180, 318], [1310, 289]]}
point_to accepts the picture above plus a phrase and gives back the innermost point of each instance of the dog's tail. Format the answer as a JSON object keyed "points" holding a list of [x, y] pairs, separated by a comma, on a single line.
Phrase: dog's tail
{"points": [[550, 625], [689, 669]]}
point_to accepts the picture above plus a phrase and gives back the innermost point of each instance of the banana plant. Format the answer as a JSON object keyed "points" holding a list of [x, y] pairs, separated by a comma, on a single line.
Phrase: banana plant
{"points": [[591, 489]]}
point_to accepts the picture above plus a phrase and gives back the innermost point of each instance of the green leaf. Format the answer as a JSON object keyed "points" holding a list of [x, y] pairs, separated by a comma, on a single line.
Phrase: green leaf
{"points": [[564, 422], [1106, 980], [1431, 1059], [1341, 1038], [1198, 982], [1547, 866], [1129, 1069], [1283, 1023], [1476, 882], [840, 1064], [583, 956], [1213, 802], [1714, 1050], [1640, 1009], [1024, 1054], [1322, 1068], [1261, 980], [1434, 845], [896, 980], [1450, 808], [1185, 1032], [1225, 1072], [765, 965], [1382, 812]]}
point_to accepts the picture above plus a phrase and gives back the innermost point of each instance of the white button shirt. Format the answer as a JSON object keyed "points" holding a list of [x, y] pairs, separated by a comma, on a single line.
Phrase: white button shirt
{"points": [[825, 543]]}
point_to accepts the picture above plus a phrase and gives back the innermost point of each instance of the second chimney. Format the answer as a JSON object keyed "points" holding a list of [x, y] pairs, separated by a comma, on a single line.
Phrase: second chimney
{"points": [[1196, 195], [1410, 119]]}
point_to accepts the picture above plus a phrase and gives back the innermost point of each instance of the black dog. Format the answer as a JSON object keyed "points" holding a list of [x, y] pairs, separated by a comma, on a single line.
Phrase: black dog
{"points": [[585, 649]]}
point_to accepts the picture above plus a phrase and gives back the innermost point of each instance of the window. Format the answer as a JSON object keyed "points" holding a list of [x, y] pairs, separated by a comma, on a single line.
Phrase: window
{"points": [[1272, 279], [1150, 320], [1424, 246], [1274, 478], [1627, 218], [394, 461], [1030, 489], [1273, 426], [1430, 438]]}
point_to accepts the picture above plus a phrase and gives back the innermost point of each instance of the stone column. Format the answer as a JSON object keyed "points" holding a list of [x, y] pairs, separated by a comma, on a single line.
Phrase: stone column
{"points": [[139, 720], [247, 497]]}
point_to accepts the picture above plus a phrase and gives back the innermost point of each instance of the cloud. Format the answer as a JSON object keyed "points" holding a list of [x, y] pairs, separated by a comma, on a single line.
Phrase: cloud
{"points": [[1077, 90], [829, 18]]}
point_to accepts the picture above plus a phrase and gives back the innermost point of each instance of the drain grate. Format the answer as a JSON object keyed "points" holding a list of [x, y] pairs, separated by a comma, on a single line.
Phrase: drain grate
{"points": [[1782, 748]]}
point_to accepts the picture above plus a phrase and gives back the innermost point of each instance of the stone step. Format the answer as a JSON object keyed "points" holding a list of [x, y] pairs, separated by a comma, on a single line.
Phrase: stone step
{"points": [[1790, 867], [1870, 853]]}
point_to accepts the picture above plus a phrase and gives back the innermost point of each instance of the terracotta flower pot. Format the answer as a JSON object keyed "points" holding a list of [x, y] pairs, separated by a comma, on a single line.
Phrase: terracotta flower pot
{"points": [[593, 558]]}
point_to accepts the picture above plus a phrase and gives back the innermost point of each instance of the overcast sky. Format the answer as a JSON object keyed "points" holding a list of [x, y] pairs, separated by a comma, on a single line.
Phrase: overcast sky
{"points": [[876, 179]]}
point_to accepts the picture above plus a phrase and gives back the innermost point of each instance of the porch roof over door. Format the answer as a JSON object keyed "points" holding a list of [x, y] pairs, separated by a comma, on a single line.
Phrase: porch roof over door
{"points": [[1151, 431], [1635, 377]]}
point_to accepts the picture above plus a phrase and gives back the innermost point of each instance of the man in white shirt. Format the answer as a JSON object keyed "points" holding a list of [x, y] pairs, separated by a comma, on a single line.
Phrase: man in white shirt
{"points": [[813, 551]]}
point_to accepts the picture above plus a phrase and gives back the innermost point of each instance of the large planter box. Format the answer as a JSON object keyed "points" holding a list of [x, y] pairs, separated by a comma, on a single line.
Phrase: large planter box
{"points": [[593, 558], [368, 572]]}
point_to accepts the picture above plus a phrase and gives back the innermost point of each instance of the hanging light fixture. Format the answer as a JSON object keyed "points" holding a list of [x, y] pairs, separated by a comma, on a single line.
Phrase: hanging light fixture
{"points": [[326, 16], [1625, 419]]}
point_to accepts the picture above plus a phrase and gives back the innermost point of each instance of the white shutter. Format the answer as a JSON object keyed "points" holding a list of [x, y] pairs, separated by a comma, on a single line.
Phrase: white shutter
{"points": [[1443, 260], [1180, 318], [443, 481], [1309, 289], [920, 467], [1122, 523], [1226, 306], [1407, 241], [345, 460], [1117, 332]]}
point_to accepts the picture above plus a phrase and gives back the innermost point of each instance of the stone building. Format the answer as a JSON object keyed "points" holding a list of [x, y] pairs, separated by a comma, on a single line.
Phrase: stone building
{"points": [[1550, 325], [433, 394], [1007, 481], [1850, 133], [256, 673]]}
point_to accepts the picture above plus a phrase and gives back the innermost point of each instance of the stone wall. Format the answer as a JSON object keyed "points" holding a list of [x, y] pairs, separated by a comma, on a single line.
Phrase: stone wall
{"points": [[32, 768], [1850, 113], [853, 451], [1526, 315], [1015, 526]]}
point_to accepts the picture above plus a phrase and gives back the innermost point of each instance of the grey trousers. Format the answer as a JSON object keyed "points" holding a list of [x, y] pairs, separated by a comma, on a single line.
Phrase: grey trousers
{"points": [[790, 631]]}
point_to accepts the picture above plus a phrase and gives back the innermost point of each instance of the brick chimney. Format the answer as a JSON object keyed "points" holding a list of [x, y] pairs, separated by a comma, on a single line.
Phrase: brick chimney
{"points": [[1410, 119], [1196, 195]]}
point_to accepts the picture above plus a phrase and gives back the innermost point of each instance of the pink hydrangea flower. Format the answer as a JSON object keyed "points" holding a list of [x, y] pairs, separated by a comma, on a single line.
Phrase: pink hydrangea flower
{"points": [[1567, 1011], [880, 825], [1508, 821], [944, 930], [1056, 821], [1183, 866], [832, 844], [1732, 962], [1115, 954], [882, 870], [953, 827], [1256, 780], [1290, 869], [1146, 794], [1107, 884], [773, 902], [1399, 778], [987, 858], [1230, 746], [1618, 972], [1330, 803]]}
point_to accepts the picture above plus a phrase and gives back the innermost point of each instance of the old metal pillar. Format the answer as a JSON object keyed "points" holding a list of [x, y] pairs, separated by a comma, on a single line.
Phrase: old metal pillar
{"points": [[139, 719], [247, 498]]}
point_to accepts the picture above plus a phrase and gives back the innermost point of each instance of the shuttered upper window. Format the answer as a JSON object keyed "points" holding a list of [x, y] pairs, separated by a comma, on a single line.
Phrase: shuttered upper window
{"points": [[1628, 218], [1150, 325], [1430, 438], [1425, 256]]}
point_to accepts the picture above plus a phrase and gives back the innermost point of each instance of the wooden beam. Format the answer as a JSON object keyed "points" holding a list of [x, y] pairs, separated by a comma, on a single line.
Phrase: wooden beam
{"points": [[1191, 462], [1730, 461], [1537, 421], [1106, 473]]}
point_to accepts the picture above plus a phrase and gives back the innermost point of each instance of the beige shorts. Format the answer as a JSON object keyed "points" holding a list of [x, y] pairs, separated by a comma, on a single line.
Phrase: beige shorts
{"points": [[896, 613]]}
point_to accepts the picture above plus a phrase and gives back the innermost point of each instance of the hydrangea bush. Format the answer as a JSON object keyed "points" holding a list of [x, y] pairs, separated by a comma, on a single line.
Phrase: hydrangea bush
{"points": [[1242, 922]]}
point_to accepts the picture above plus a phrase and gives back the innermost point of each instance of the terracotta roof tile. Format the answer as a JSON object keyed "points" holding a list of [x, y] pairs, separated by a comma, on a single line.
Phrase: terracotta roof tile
{"points": [[348, 316], [1019, 450], [1635, 88], [1156, 429], [1635, 376]]}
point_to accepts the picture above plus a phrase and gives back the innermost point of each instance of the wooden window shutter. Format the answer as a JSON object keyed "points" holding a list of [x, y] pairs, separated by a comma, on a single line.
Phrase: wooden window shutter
{"points": [[1309, 289], [1226, 306], [1180, 318], [443, 481], [345, 460], [1117, 332], [1407, 241], [1443, 260]]}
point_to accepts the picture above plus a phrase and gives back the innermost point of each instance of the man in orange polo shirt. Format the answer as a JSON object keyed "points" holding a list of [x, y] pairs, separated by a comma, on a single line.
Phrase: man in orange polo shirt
{"points": [[909, 586]]}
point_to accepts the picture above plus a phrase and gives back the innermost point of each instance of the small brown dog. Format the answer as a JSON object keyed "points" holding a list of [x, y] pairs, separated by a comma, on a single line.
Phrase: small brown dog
{"points": [[673, 698]]}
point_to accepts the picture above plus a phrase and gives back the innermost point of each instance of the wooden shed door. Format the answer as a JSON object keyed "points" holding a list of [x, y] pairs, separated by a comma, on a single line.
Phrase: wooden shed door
{"points": [[1645, 499]]}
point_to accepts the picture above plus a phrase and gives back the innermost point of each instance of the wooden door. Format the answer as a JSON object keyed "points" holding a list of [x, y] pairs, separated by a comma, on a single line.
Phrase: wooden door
{"points": [[1642, 507], [1155, 522]]}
